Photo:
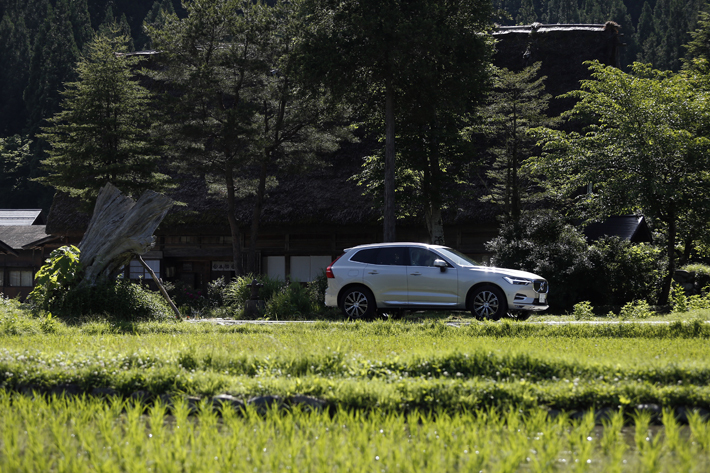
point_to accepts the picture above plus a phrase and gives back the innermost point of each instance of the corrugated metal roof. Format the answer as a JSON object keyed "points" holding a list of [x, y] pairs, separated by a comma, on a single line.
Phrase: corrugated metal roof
{"points": [[20, 217]]}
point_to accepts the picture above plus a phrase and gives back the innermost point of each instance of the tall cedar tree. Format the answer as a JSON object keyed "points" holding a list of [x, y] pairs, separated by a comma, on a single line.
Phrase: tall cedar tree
{"points": [[234, 107], [517, 104], [103, 133], [406, 61], [648, 150]]}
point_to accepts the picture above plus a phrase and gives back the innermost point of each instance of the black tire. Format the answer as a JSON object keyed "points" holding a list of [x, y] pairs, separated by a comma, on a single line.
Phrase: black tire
{"points": [[488, 302], [358, 303]]}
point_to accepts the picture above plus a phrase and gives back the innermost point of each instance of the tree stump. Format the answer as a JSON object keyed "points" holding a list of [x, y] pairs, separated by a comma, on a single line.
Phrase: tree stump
{"points": [[119, 230]]}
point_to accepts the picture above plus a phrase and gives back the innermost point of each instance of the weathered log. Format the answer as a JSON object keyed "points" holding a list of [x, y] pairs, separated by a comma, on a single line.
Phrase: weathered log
{"points": [[119, 230]]}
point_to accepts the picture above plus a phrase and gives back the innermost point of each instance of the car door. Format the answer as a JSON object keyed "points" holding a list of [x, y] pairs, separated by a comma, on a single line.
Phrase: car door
{"points": [[427, 284], [387, 276]]}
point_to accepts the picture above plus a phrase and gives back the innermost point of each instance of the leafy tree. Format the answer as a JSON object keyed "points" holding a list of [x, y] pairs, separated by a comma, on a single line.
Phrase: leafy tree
{"points": [[103, 132], [647, 150], [15, 171], [517, 104], [235, 110], [698, 48], [408, 63]]}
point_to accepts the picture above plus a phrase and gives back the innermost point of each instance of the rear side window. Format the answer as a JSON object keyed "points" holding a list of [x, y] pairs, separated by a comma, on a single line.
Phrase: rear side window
{"points": [[366, 256], [391, 256]]}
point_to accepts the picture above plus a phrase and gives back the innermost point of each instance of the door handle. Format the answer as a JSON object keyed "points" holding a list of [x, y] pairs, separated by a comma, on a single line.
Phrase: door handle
{"points": [[415, 274], [373, 272]]}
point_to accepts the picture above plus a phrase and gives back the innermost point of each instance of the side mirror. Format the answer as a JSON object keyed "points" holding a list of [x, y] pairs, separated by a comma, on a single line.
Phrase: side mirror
{"points": [[441, 264]]}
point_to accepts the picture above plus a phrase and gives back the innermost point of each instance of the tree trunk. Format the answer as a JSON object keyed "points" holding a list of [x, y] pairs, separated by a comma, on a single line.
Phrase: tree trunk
{"points": [[670, 249], [119, 230], [389, 210], [256, 217], [233, 224], [432, 211]]}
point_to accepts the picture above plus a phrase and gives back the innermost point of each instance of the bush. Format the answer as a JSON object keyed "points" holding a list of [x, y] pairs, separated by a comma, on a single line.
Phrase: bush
{"points": [[293, 301], [119, 299], [542, 243], [237, 292], [622, 271], [610, 272], [636, 310], [583, 311]]}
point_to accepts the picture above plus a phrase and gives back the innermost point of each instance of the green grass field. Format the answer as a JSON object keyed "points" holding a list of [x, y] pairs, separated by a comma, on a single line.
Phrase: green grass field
{"points": [[516, 393]]}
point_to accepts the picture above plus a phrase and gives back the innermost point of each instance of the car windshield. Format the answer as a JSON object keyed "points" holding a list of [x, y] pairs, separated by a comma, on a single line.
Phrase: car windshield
{"points": [[457, 258]]}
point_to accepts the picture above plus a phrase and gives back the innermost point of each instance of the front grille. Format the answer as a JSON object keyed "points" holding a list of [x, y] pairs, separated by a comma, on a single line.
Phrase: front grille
{"points": [[541, 286]]}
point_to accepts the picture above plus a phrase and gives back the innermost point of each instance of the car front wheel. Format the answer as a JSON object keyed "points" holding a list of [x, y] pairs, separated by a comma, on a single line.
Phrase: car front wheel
{"points": [[358, 303], [488, 302]]}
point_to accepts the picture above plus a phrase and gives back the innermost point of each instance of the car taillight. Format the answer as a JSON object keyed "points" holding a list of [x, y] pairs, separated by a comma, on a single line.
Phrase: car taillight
{"points": [[329, 270]]}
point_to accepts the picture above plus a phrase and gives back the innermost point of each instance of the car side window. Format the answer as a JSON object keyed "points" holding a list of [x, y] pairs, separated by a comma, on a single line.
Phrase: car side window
{"points": [[366, 256], [392, 256], [421, 257]]}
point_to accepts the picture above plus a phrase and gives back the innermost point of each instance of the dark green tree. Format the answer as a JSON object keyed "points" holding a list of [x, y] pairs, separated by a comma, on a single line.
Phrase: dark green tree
{"points": [[15, 171], [405, 61], [517, 104], [103, 133], [698, 48], [647, 151]]}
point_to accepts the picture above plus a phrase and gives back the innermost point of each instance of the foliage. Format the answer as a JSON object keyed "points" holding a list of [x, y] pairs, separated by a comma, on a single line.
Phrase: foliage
{"points": [[59, 275], [430, 77], [646, 150], [103, 132], [583, 311], [237, 292], [635, 310], [516, 104], [622, 271], [542, 243], [118, 300]]}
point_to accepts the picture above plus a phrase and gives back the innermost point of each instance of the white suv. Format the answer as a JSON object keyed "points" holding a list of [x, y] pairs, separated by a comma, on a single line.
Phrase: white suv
{"points": [[395, 276]]}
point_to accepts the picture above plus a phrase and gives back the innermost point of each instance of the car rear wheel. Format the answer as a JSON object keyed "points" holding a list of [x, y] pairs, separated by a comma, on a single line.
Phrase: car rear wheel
{"points": [[488, 302], [358, 303]]}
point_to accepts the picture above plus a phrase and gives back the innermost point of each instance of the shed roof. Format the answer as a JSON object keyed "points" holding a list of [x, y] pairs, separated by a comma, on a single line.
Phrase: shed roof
{"points": [[23, 237], [9, 217]]}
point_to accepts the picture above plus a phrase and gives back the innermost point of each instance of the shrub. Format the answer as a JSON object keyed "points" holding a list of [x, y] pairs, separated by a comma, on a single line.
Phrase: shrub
{"points": [[120, 299], [291, 302], [237, 292], [636, 310], [544, 244], [60, 273], [583, 311], [622, 271], [611, 271]]}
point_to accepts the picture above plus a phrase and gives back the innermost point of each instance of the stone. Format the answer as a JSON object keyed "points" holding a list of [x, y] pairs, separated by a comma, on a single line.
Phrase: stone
{"points": [[221, 400], [308, 403], [263, 403], [104, 392]]}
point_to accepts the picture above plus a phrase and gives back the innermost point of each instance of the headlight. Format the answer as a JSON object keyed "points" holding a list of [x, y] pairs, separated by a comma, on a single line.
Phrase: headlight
{"points": [[517, 281]]}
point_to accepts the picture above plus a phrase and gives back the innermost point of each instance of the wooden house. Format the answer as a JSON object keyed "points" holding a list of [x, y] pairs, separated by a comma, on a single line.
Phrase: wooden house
{"points": [[24, 245]]}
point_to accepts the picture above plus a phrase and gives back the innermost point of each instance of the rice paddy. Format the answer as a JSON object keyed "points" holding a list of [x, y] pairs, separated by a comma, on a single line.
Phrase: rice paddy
{"points": [[398, 396]]}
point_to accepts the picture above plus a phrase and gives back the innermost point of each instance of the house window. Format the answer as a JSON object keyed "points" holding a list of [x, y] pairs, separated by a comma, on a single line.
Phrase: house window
{"points": [[2, 277], [21, 278], [137, 271]]}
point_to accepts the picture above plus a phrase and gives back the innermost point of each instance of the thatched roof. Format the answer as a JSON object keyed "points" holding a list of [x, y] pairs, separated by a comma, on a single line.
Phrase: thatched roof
{"points": [[562, 49]]}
